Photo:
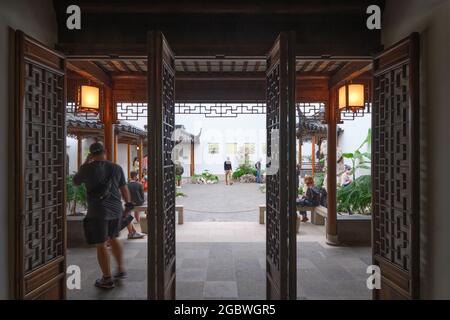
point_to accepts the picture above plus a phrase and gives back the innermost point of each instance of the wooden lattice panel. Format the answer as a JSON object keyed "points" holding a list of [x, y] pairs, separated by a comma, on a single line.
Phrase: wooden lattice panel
{"points": [[169, 168], [391, 174], [273, 181], [44, 166]]}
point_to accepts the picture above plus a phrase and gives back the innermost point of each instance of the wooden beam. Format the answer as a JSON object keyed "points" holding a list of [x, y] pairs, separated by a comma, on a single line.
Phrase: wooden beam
{"points": [[79, 151], [128, 160], [349, 72], [140, 158], [332, 236], [89, 70], [300, 156], [116, 147], [226, 7], [192, 159], [108, 124], [313, 157]]}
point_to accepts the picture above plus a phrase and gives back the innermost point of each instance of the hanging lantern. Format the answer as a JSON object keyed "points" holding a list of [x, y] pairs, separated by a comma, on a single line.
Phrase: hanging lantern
{"points": [[89, 99], [351, 97]]}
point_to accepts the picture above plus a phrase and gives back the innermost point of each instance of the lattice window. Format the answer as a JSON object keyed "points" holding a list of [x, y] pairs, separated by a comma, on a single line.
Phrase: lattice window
{"points": [[310, 111], [273, 181], [44, 166], [168, 97], [220, 110], [392, 158], [131, 111]]}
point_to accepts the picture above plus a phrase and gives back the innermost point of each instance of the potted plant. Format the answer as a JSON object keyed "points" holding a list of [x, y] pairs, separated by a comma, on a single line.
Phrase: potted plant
{"points": [[76, 199], [75, 195]]}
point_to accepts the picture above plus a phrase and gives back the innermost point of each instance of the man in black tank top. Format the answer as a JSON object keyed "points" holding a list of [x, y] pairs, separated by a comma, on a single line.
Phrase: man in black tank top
{"points": [[105, 184]]}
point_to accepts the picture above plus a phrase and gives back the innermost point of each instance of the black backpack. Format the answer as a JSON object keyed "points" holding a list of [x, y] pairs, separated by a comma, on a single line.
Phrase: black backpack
{"points": [[103, 189]]}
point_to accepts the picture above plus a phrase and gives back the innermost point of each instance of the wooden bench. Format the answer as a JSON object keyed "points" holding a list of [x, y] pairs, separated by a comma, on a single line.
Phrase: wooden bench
{"points": [[143, 221], [262, 212]]}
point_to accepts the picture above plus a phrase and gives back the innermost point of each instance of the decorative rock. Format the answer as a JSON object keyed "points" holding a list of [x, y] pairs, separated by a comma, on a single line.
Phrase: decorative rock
{"points": [[248, 178]]}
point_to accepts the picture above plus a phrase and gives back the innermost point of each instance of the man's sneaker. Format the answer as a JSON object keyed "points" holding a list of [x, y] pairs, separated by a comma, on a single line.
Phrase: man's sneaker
{"points": [[105, 283], [135, 235], [121, 275]]}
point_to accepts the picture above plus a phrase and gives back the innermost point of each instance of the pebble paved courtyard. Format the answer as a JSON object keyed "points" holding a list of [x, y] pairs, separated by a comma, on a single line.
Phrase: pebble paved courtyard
{"points": [[221, 254]]}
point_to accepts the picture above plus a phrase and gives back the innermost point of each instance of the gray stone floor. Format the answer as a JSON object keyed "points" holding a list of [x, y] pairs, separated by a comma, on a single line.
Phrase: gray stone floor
{"points": [[233, 271], [219, 202], [221, 254]]}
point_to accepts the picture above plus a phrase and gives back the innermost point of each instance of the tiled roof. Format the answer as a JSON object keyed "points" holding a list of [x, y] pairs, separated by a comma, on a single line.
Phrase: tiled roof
{"points": [[75, 122]]}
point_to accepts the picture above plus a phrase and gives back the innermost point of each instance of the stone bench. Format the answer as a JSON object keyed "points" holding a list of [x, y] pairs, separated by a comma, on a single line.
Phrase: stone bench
{"points": [[354, 230], [262, 212], [143, 221]]}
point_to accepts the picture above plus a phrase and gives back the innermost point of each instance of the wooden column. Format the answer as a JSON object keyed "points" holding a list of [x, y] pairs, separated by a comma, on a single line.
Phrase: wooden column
{"points": [[79, 151], [192, 158], [140, 152], [116, 147], [108, 123], [128, 160], [313, 158], [300, 156], [332, 237]]}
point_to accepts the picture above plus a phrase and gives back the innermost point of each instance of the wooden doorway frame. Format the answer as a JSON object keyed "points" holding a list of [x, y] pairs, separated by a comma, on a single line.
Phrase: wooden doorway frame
{"points": [[37, 170]]}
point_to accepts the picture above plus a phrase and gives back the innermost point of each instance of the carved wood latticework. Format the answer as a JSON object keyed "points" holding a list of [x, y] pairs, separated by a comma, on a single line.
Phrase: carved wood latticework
{"points": [[394, 170], [280, 190], [40, 139], [161, 121], [44, 166]]}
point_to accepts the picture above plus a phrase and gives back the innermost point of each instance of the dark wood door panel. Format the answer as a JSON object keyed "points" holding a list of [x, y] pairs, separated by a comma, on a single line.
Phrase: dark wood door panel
{"points": [[39, 170], [281, 185], [395, 170], [162, 243]]}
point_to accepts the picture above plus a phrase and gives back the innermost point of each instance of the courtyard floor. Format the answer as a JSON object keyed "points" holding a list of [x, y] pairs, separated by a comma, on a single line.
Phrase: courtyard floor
{"points": [[222, 256]]}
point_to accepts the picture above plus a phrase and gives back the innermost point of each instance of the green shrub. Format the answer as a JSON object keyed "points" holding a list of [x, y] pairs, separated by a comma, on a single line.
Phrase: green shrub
{"points": [[319, 180], [356, 197], [243, 170], [206, 175], [75, 195]]}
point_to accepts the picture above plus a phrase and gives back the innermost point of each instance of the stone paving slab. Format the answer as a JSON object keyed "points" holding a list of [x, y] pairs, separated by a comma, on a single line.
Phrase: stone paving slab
{"points": [[233, 271]]}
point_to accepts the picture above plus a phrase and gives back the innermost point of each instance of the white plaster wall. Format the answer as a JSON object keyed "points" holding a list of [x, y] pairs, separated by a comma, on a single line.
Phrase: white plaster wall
{"points": [[432, 19], [72, 146], [122, 158], [37, 19], [355, 132], [242, 129]]}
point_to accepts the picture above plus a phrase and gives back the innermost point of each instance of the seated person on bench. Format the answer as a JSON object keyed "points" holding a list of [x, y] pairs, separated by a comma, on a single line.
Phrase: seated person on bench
{"points": [[311, 198], [137, 198]]}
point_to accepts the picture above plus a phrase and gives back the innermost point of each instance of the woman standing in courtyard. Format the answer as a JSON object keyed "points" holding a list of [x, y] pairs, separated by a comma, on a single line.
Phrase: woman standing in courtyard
{"points": [[228, 169]]}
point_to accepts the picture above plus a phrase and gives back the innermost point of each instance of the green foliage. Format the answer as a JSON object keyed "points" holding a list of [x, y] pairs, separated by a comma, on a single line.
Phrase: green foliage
{"points": [[243, 170], [356, 197], [319, 180], [180, 194], [361, 160], [207, 176], [300, 191], [75, 195]]}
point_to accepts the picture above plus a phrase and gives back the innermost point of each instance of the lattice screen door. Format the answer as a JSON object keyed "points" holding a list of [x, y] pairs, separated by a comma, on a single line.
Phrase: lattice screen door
{"points": [[395, 170], [161, 124], [37, 170], [281, 236]]}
